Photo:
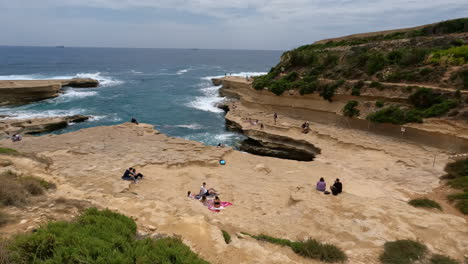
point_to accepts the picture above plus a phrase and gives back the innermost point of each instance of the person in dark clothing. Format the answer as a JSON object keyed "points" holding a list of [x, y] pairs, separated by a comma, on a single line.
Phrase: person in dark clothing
{"points": [[134, 121], [337, 187], [139, 175], [128, 175]]}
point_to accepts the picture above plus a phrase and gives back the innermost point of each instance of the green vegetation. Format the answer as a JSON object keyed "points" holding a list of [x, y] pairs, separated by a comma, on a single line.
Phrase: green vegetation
{"points": [[227, 237], [7, 151], [427, 104], [15, 190], [453, 56], [309, 248], [328, 91], [379, 103], [402, 252], [457, 174], [376, 85], [440, 259], [356, 91], [426, 203], [350, 109], [96, 237], [395, 115]]}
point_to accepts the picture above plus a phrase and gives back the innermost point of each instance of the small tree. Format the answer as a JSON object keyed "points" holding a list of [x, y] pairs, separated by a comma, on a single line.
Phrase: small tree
{"points": [[350, 109]]}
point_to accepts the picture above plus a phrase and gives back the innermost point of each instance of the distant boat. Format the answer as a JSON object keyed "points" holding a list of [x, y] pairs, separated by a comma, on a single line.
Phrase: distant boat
{"points": [[60, 47]]}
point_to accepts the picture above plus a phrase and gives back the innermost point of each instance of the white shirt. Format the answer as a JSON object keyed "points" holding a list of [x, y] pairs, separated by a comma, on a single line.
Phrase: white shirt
{"points": [[203, 190]]}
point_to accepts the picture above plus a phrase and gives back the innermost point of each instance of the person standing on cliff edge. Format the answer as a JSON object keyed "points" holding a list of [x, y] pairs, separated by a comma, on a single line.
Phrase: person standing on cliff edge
{"points": [[275, 116]]}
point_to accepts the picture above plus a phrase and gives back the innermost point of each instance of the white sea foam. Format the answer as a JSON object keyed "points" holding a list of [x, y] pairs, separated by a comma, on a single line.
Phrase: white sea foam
{"points": [[109, 118], [103, 80], [27, 114], [194, 126], [241, 74], [182, 71], [208, 101]]}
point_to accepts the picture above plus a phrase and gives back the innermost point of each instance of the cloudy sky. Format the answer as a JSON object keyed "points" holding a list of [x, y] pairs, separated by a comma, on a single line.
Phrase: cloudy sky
{"points": [[220, 24]]}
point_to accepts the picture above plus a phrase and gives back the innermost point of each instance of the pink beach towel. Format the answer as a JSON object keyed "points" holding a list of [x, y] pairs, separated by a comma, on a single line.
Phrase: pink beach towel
{"points": [[223, 205]]}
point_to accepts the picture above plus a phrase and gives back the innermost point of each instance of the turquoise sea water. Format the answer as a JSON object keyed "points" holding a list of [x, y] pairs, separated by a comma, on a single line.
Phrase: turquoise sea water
{"points": [[169, 88]]}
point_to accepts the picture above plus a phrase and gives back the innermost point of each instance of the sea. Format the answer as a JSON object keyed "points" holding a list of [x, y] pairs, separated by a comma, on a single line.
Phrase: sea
{"points": [[168, 88]]}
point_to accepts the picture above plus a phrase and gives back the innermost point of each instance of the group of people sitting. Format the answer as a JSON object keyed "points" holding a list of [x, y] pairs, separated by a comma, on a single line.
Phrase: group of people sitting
{"points": [[335, 189], [305, 127], [208, 197], [130, 174], [16, 138]]}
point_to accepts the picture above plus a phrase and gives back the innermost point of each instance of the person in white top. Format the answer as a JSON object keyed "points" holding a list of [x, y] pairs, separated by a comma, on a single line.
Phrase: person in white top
{"points": [[205, 191]]}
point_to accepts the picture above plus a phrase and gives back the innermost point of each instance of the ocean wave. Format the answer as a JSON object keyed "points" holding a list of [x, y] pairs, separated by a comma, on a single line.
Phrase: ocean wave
{"points": [[194, 126], [27, 114], [214, 139], [180, 72], [240, 74], [108, 118], [104, 81], [208, 101]]}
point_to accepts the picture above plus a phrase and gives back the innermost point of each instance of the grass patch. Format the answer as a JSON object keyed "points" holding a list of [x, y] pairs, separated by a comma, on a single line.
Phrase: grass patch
{"points": [[96, 237], [426, 203], [452, 56], [441, 259], [402, 252], [15, 190], [309, 248], [8, 151], [226, 236], [457, 174]]}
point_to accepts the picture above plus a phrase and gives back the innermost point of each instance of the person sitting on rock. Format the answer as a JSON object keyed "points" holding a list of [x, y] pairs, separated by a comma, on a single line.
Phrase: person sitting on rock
{"points": [[136, 176], [204, 200], [305, 127], [217, 202], [128, 175], [205, 191], [337, 187], [321, 185], [16, 138], [134, 121]]}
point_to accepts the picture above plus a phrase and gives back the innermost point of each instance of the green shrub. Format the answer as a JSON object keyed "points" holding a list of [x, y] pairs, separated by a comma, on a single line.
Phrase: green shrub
{"points": [[457, 173], [350, 109], [440, 259], [446, 27], [8, 151], [328, 91], [291, 77], [413, 56], [440, 109], [375, 63], [308, 87], [376, 85], [356, 91], [278, 87], [394, 57], [454, 56], [424, 98], [313, 249], [97, 237], [379, 103], [424, 202], [309, 248], [395, 115], [227, 237], [402, 252], [261, 82]]}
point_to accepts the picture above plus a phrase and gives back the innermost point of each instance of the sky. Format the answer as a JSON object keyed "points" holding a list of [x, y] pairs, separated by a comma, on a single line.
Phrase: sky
{"points": [[209, 24]]}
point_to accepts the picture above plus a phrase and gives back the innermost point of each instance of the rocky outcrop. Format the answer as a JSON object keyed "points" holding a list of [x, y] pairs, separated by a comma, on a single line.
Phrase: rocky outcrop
{"points": [[22, 92], [38, 125], [271, 145]]}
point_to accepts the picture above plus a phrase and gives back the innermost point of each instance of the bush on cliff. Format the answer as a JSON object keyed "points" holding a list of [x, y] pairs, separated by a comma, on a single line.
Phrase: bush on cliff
{"points": [[350, 109], [309, 248], [457, 173], [402, 252], [96, 237], [328, 91], [16, 189], [395, 115], [424, 202]]}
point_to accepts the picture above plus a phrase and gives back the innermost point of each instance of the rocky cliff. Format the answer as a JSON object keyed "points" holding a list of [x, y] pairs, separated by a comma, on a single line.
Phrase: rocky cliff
{"points": [[21, 92]]}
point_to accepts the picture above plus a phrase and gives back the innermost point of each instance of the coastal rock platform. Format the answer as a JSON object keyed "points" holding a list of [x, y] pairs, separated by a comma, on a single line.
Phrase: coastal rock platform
{"points": [[270, 196], [26, 91]]}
